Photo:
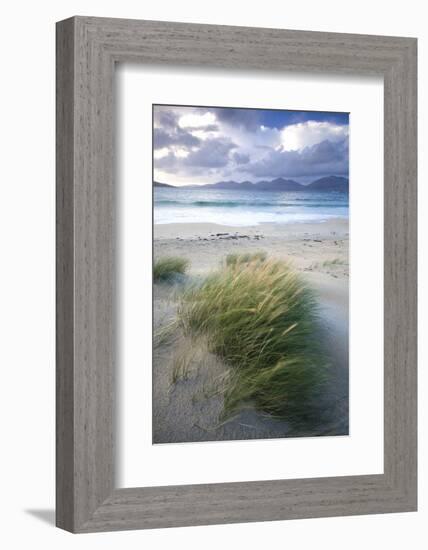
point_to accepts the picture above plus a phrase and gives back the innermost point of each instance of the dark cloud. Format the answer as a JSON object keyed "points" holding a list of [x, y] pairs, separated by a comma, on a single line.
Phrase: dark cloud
{"points": [[324, 158], [327, 152], [177, 137], [250, 119], [213, 153], [166, 119], [167, 131], [240, 158]]}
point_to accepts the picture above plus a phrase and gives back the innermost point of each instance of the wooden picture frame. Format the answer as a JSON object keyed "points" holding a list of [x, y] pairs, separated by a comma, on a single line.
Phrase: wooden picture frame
{"points": [[87, 50]]}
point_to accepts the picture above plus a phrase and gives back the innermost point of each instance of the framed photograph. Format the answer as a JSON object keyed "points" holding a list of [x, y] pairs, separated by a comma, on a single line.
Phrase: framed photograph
{"points": [[236, 274], [245, 347]]}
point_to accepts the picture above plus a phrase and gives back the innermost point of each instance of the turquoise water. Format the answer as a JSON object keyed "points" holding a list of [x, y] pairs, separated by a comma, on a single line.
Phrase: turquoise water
{"points": [[243, 208]]}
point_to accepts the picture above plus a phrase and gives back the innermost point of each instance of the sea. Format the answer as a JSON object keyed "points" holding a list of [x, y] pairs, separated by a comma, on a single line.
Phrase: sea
{"points": [[244, 208]]}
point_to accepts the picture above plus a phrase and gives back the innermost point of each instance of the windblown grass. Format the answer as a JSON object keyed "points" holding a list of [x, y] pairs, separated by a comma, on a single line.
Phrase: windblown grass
{"points": [[166, 268], [245, 257], [261, 319]]}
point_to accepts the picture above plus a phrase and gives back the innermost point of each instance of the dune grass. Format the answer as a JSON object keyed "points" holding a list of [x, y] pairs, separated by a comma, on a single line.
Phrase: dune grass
{"points": [[261, 319], [245, 257], [164, 269]]}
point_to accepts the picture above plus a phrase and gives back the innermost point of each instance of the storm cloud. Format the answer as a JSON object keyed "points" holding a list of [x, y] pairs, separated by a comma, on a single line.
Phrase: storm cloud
{"points": [[240, 158], [325, 158], [250, 119], [213, 153], [178, 137], [204, 145]]}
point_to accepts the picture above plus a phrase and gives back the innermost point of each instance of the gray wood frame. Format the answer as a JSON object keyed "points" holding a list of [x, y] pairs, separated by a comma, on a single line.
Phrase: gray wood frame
{"points": [[87, 50]]}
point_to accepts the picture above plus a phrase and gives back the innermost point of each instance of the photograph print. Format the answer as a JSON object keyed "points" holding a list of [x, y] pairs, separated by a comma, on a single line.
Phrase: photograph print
{"points": [[250, 273]]}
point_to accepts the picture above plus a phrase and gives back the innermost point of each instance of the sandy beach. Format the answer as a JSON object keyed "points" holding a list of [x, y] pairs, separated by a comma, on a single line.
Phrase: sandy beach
{"points": [[187, 403]]}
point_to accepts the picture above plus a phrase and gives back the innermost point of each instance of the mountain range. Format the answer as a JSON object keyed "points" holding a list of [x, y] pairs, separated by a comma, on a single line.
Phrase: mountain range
{"points": [[158, 184], [329, 183]]}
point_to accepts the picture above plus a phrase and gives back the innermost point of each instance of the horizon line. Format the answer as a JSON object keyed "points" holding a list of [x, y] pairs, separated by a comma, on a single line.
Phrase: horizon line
{"points": [[251, 182]]}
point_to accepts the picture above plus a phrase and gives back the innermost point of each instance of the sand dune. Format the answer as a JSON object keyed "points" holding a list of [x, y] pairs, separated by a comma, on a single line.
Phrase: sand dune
{"points": [[186, 404]]}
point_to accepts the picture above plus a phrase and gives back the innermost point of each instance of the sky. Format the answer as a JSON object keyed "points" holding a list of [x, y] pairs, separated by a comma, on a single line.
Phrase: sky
{"points": [[200, 145]]}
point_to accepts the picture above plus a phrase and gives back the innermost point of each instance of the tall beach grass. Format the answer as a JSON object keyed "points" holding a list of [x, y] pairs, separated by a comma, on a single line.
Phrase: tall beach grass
{"points": [[259, 316], [164, 269], [245, 257]]}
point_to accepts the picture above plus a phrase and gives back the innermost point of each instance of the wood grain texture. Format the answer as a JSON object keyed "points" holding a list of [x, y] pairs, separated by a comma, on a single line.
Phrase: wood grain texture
{"points": [[64, 276], [87, 49]]}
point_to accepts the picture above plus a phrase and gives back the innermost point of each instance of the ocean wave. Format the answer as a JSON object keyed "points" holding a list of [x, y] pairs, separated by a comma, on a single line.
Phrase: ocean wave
{"points": [[247, 218], [239, 204]]}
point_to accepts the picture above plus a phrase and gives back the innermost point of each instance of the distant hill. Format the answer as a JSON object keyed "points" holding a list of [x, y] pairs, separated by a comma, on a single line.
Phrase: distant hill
{"points": [[158, 184], [229, 185], [233, 185], [279, 184], [330, 183]]}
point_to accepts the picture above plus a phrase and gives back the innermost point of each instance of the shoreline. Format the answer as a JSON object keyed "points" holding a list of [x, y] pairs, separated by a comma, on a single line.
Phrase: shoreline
{"points": [[204, 229], [306, 246]]}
